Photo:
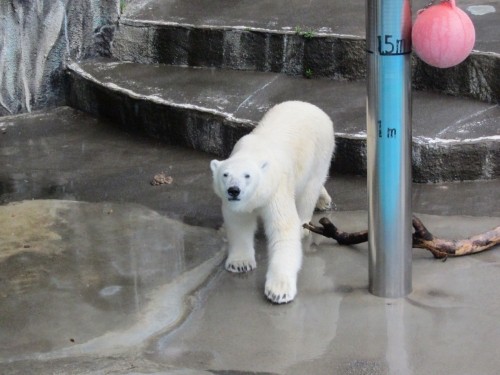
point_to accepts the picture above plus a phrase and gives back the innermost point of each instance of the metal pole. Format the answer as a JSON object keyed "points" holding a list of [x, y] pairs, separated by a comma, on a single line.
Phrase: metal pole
{"points": [[388, 30]]}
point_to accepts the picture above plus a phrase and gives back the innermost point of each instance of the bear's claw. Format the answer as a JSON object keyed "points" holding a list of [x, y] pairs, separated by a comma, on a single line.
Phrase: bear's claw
{"points": [[280, 291], [278, 299], [240, 266]]}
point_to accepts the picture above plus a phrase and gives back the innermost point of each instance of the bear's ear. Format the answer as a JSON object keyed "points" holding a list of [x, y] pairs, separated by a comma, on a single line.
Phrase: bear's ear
{"points": [[214, 164]]}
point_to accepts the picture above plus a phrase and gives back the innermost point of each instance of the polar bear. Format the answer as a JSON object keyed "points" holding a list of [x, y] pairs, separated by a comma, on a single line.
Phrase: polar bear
{"points": [[276, 173]]}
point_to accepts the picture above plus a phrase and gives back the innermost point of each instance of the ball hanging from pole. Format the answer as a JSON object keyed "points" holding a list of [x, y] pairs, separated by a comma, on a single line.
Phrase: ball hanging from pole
{"points": [[443, 35]]}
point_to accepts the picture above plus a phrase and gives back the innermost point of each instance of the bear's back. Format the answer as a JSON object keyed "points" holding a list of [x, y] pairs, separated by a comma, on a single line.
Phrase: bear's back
{"points": [[295, 128], [296, 134]]}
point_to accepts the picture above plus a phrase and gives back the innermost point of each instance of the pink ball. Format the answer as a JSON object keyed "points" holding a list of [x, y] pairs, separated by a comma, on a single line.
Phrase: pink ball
{"points": [[443, 35]]}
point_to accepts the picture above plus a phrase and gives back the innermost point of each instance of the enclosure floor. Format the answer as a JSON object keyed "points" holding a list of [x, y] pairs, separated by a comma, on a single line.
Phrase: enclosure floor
{"points": [[102, 272]]}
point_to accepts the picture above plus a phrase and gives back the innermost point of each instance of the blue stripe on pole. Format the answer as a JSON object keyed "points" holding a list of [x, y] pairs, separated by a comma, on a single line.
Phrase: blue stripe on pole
{"points": [[391, 116]]}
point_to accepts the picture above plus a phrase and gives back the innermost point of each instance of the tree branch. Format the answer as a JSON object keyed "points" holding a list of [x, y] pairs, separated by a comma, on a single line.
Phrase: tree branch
{"points": [[422, 238]]}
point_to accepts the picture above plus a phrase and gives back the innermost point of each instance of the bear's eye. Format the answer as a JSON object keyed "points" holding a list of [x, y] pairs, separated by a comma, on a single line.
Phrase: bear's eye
{"points": [[247, 176], [224, 175]]}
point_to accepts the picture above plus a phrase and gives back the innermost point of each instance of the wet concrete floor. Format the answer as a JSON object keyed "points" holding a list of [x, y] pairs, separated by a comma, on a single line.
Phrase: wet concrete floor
{"points": [[103, 273]]}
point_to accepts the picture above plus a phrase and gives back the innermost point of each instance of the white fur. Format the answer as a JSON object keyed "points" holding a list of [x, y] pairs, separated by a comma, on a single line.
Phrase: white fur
{"points": [[277, 172]]}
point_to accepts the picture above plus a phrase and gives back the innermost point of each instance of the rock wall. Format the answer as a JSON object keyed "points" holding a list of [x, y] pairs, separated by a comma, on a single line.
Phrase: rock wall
{"points": [[38, 37]]}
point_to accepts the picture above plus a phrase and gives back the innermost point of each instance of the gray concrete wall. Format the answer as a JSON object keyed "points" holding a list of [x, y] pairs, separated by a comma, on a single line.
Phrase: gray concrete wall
{"points": [[37, 37]]}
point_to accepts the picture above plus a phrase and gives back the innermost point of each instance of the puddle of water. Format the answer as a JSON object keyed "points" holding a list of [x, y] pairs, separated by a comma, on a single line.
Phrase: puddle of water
{"points": [[103, 275], [481, 10]]}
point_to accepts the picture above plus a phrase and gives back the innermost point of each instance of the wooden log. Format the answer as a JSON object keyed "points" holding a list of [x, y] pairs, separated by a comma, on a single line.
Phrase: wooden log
{"points": [[422, 238]]}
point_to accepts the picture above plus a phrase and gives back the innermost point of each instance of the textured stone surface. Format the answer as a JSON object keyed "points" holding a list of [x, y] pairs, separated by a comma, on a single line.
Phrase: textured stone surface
{"points": [[476, 77], [319, 38], [210, 109], [38, 37], [288, 53]]}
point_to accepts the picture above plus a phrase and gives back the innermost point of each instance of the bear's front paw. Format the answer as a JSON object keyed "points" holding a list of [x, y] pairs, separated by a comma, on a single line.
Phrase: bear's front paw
{"points": [[280, 289], [240, 265]]}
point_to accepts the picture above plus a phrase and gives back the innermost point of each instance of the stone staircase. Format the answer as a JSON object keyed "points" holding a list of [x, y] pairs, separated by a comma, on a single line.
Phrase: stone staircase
{"points": [[202, 73]]}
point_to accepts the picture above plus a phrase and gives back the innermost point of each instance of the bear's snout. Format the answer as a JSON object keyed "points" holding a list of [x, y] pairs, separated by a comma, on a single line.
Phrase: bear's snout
{"points": [[233, 192]]}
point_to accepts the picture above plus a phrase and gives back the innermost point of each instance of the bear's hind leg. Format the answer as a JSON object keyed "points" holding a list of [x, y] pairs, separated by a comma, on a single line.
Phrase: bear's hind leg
{"points": [[240, 231], [324, 201], [313, 196]]}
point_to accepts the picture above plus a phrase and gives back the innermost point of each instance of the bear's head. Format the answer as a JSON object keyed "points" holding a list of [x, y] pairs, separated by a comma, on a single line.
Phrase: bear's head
{"points": [[237, 181]]}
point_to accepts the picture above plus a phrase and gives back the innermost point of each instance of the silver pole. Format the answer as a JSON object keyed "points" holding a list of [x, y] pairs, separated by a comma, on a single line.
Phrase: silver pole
{"points": [[388, 34]]}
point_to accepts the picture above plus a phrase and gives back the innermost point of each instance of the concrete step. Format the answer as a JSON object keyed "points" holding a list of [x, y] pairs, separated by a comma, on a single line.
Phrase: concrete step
{"points": [[318, 38], [210, 109], [64, 154]]}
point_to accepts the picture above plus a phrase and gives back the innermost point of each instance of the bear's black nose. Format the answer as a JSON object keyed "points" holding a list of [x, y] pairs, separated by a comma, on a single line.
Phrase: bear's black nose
{"points": [[233, 191]]}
